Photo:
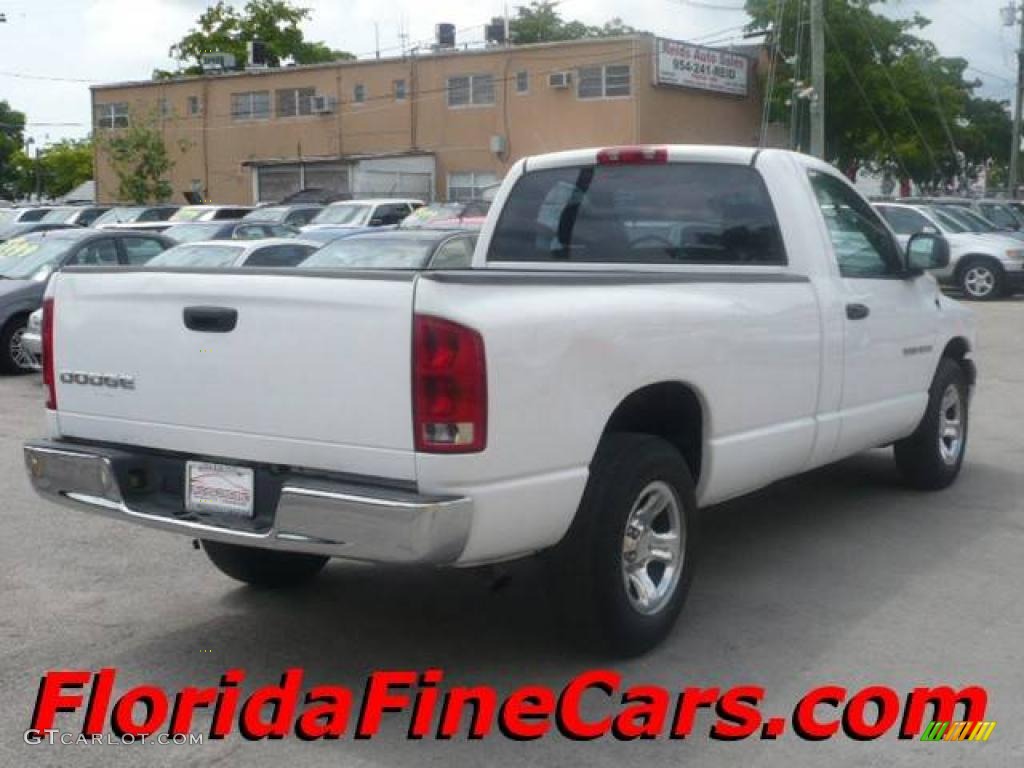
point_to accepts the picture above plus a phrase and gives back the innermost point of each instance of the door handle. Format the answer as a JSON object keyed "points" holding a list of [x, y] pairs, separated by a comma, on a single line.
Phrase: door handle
{"points": [[857, 311], [211, 319]]}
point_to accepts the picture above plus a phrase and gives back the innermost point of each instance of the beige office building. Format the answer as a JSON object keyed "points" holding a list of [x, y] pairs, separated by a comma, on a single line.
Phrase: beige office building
{"points": [[437, 125]]}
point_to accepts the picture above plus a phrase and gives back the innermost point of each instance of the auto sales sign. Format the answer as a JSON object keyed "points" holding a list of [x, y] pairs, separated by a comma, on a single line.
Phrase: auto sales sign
{"points": [[693, 66]]}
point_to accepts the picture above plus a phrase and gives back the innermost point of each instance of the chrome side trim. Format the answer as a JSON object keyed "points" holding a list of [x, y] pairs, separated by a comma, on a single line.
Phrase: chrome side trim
{"points": [[314, 515]]}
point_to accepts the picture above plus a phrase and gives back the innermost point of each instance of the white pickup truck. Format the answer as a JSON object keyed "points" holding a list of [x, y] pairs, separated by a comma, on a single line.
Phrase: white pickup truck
{"points": [[645, 331]]}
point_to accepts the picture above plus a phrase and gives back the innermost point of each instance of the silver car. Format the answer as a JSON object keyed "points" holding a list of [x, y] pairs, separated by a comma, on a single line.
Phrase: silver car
{"points": [[983, 265]]}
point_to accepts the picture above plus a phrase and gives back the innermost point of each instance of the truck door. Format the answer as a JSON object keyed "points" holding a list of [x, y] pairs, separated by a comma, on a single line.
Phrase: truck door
{"points": [[890, 322]]}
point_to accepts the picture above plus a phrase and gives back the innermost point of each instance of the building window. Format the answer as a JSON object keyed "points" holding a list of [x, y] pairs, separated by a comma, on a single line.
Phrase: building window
{"points": [[195, 107], [470, 90], [469, 185], [292, 102], [606, 82], [163, 107], [359, 93], [522, 81], [112, 115], [251, 105], [399, 88]]}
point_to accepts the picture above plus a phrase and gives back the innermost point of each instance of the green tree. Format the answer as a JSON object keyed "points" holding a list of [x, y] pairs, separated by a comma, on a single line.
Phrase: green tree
{"points": [[892, 102], [541, 22], [140, 160], [12, 142], [224, 28], [65, 165]]}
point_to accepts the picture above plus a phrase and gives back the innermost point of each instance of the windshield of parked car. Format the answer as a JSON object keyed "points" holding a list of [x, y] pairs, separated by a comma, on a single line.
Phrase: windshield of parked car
{"points": [[469, 215], [191, 232], [188, 213], [946, 221], [377, 252], [343, 215], [270, 213], [118, 215], [59, 215], [198, 255], [1000, 215], [23, 258], [970, 219]]}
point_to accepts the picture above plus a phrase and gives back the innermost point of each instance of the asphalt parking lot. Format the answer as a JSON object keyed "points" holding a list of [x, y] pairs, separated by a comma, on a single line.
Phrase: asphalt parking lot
{"points": [[840, 576]]}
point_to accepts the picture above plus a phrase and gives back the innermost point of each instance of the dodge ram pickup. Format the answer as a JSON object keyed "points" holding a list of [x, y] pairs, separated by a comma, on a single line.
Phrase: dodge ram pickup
{"points": [[645, 331]]}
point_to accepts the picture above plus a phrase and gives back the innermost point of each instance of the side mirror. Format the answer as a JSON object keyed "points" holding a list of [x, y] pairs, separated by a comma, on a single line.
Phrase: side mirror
{"points": [[927, 251]]}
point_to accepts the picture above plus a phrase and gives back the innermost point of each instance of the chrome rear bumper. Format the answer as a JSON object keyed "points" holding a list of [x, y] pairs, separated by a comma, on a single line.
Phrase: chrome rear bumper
{"points": [[314, 515]]}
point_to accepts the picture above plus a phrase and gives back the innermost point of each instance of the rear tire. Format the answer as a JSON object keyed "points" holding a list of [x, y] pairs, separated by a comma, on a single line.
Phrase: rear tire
{"points": [[264, 568], [14, 358], [623, 570], [930, 459]]}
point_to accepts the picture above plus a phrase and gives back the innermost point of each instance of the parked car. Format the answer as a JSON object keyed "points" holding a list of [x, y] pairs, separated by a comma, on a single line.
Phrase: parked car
{"points": [[975, 222], [134, 214], [20, 214], [82, 215], [272, 252], [470, 214], [364, 213], [27, 263], [192, 231], [397, 249], [28, 227], [983, 266], [995, 211], [293, 215], [645, 330], [210, 212]]}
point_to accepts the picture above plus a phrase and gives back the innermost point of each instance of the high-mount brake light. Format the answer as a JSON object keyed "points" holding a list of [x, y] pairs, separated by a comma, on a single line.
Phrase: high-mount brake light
{"points": [[632, 156]]}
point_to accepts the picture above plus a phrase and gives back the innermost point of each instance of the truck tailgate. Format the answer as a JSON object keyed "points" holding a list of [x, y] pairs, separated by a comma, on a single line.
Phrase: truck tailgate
{"points": [[315, 373]]}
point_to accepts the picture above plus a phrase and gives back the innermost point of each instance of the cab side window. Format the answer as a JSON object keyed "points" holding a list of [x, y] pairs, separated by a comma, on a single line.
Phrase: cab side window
{"points": [[862, 243], [139, 250]]}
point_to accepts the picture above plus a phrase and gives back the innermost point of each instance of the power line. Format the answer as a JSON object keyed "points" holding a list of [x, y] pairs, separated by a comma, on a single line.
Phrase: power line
{"points": [[53, 78], [712, 6]]}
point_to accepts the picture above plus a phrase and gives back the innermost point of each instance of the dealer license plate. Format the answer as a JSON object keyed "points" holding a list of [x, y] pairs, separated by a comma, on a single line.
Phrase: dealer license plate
{"points": [[218, 488]]}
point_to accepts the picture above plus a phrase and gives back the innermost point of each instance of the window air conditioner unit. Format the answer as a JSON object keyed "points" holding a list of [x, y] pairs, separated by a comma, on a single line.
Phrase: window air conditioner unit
{"points": [[321, 105], [560, 79]]}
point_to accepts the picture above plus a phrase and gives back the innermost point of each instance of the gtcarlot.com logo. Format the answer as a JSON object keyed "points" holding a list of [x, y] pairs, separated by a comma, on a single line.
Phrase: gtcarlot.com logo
{"points": [[66, 738]]}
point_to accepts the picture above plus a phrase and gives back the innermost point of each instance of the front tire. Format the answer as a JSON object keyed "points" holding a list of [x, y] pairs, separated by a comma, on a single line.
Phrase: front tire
{"points": [[623, 571], [14, 357], [264, 568], [982, 280], [930, 459]]}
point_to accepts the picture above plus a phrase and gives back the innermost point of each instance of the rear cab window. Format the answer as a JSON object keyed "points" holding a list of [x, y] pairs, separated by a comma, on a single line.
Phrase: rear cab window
{"points": [[673, 213]]}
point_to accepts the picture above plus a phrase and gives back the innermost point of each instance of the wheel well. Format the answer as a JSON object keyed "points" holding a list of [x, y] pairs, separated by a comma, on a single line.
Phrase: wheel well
{"points": [[971, 258], [670, 410], [13, 318], [957, 350]]}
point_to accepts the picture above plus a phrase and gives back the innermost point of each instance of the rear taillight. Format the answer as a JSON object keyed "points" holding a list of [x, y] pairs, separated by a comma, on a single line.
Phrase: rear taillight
{"points": [[49, 377], [632, 156], [449, 387]]}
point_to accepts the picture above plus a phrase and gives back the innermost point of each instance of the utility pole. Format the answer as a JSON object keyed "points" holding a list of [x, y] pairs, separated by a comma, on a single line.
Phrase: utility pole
{"points": [[1011, 17], [818, 78]]}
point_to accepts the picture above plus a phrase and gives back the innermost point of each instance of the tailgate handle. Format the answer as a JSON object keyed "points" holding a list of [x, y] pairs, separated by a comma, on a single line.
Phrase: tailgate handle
{"points": [[211, 319]]}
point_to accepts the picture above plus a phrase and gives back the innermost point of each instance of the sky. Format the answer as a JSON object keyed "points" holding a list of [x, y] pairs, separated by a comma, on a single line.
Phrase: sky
{"points": [[51, 50]]}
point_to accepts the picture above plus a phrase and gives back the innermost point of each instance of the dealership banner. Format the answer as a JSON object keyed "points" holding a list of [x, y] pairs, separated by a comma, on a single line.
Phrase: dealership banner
{"points": [[694, 66]]}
